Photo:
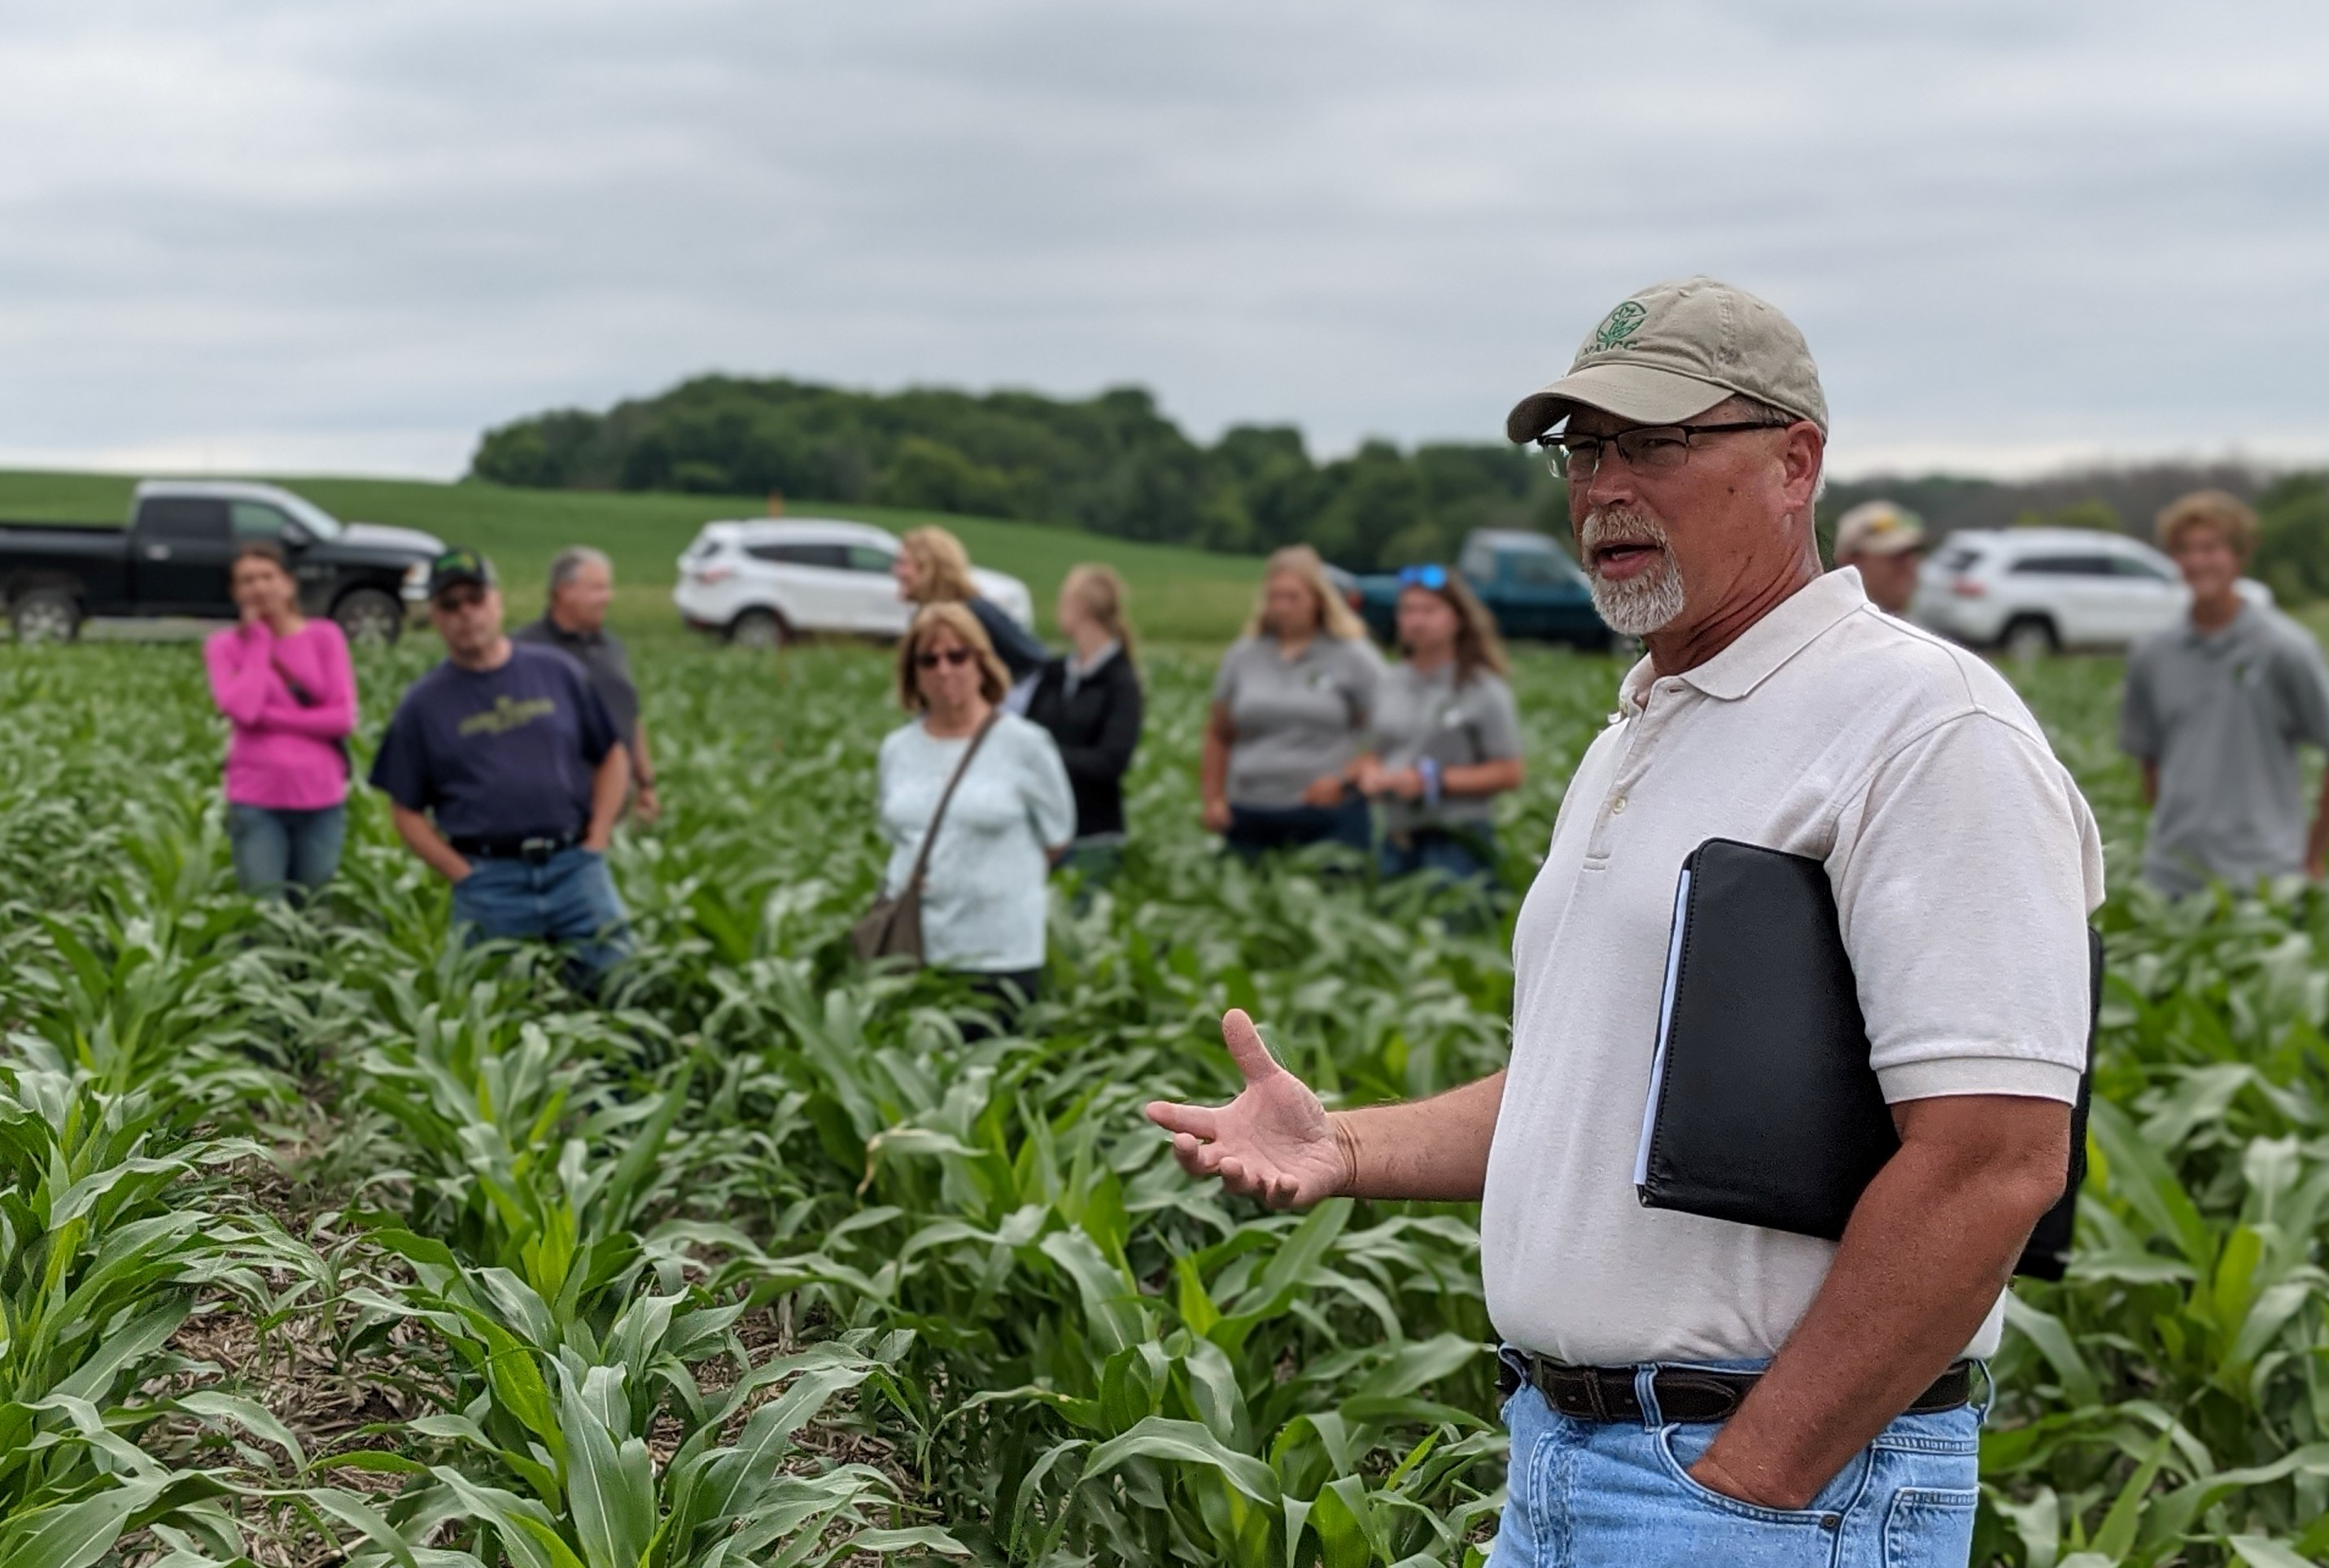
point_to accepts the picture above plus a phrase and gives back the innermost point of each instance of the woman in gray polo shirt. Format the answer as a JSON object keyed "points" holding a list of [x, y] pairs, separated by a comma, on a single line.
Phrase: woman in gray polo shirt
{"points": [[1447, 732], [1290, 707]]}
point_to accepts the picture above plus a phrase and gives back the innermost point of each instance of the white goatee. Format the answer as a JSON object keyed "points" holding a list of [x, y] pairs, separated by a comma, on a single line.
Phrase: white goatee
{"points": [[1639, 605]]}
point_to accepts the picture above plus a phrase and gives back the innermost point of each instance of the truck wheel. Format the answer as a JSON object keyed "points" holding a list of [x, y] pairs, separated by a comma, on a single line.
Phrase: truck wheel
{"points": [[369, 616], [46, 615], [2028, 637], [758, 628]]}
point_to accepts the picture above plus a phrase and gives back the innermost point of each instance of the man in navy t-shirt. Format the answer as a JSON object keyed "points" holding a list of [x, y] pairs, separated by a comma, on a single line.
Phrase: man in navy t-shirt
{"points": [[507, 775]]}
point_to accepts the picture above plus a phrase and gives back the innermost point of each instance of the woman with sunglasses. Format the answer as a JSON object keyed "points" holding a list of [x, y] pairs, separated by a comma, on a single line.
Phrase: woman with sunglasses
{"points": [[1447, 733], [985, 895], [1291, 702]]}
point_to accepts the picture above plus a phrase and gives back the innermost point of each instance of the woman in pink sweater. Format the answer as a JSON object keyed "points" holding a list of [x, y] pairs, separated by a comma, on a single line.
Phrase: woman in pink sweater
{"points": [[286, 684]]}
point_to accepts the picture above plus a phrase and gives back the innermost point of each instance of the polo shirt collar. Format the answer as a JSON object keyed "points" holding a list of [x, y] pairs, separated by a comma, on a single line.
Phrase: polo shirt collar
{"points": [[2243, 621], [559, 634], [1793, 625]]}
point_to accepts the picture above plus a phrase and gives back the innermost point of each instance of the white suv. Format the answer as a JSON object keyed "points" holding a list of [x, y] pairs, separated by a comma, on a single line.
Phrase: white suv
{"points": [[764, 582], [2030, 591]]}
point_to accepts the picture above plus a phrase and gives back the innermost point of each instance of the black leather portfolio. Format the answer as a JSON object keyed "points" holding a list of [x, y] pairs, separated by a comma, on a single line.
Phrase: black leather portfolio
{"points": [[1763, 1107]]}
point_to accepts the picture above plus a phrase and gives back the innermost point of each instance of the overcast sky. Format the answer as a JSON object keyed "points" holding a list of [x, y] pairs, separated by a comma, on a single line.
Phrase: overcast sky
{"points": [[339, 237]]}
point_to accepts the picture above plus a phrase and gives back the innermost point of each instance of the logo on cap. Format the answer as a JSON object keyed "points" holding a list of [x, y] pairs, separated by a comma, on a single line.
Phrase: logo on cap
{"points": [[1620, 324]]}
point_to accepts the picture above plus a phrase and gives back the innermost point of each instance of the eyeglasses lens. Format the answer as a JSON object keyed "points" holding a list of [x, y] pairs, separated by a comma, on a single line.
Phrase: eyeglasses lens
{"points": [[1659, 450], [955, 657]]}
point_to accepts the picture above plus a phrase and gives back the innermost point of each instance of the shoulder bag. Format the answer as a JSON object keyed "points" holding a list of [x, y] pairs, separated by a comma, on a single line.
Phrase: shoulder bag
{"points": [[892, 928]]}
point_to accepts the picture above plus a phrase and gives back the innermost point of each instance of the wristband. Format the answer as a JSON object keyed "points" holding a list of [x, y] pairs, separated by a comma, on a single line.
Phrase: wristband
{"points": [[1429, 769]]}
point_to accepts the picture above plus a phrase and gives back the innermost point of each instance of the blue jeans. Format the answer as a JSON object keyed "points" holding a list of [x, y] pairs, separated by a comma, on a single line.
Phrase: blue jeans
{"points": [[1465, 856], [273, 847], [1256, 830], [1619, 1494], [567, 898]]}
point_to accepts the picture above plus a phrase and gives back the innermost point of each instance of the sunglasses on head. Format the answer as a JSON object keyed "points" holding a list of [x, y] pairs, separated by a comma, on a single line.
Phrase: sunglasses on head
{"points": [[1434, 578], [957, 656]]}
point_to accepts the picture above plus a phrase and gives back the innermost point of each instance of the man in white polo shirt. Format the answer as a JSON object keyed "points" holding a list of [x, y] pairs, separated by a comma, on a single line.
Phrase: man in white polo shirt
{"points": [[1691, 1389]]}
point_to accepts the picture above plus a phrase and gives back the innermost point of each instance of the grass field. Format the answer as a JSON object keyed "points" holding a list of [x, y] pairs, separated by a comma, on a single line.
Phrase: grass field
{"points": [[319, 1244], [1179, 595]]}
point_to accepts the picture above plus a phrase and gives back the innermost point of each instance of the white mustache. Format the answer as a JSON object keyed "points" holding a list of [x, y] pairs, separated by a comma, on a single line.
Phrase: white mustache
{"points": [[1605, 526]]}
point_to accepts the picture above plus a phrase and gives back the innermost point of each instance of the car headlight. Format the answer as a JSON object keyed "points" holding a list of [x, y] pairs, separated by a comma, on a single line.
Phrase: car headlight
{"points": [[417, 574]]}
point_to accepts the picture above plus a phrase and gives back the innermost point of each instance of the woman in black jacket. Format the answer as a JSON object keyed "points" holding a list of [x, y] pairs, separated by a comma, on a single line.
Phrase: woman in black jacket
{"points": [[1090, 700]]}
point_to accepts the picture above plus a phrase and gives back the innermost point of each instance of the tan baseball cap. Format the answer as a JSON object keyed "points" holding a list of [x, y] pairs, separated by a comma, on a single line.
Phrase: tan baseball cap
{"points": [[1673, 351], [1878, 528]]}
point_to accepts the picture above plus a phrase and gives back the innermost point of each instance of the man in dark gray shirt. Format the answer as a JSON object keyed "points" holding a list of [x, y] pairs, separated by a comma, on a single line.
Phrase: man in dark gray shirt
{"points": [[2216, 707], [581, 588]]}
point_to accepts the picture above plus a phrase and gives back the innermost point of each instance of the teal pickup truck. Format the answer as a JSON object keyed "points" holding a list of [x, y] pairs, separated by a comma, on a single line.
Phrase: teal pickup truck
{"points": [[1532, 588]]}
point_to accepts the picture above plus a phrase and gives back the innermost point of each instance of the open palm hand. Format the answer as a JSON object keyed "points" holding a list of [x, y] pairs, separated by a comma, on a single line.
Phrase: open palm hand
{"points": [[1273, 1142]]}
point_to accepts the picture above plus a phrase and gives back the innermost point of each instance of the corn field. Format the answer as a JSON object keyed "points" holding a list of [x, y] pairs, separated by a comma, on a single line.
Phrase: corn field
{"points": [[321, 1243]]}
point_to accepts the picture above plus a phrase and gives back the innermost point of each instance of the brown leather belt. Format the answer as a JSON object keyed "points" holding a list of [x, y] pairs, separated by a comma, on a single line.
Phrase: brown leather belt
{"points": [[1683, 1393]]}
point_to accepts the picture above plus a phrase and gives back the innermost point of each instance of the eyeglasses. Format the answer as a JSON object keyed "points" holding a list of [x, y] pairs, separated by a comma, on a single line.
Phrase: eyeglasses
{"points": [[1434, 578], [957, 656], [1646, 449]]}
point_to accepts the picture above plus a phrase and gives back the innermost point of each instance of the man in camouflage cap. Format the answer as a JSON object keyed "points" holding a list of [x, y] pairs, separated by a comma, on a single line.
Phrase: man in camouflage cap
{"points": [[1686, 1389]]}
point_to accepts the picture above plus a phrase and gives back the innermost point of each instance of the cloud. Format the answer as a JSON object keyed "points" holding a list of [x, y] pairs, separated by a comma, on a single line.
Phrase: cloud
{"points": [[334, 236]]}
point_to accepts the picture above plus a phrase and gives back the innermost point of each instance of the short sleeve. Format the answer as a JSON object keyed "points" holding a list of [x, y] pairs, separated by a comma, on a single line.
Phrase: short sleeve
{"points": [[1968, 871], [1051, 799], [595, 724], [1225, 678], [1363, 673], [399, 769], [2138, 714], [1498, 717], [2305, 684]]}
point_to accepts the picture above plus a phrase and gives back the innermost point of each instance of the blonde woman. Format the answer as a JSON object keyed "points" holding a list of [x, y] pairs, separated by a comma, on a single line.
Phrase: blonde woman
{"points": [[933, 568], [1290, 705], [985, 895], [1447, 733], [1090, 700]]}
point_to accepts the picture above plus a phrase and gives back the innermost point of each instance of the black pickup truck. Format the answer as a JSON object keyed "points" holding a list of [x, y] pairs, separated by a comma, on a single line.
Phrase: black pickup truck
{"points": [[173, 559]]}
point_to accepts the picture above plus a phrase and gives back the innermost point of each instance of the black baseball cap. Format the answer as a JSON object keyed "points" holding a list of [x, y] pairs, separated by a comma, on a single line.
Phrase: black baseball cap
{"points": [[456, 567]]}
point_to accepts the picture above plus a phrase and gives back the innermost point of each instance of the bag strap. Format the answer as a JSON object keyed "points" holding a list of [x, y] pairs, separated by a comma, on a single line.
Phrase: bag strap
{"points": [[292, 684], [922, 861]]}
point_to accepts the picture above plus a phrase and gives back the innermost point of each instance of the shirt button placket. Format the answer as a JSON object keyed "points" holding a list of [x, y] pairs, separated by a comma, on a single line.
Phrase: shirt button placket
{"points": [[1641, 742]]}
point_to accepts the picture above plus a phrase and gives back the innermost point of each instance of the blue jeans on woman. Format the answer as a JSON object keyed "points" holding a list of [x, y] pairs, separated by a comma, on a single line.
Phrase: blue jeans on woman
{"points": [[1619, 1494], [567, 898], [275, 847], [1256, 830], [1464, 855]]}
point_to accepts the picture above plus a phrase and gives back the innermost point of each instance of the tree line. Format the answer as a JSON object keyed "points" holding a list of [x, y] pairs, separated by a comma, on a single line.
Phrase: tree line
{"points": [[1112, 463]]}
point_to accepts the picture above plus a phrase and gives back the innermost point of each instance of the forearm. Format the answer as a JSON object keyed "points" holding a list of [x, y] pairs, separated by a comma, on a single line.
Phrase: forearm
{"points": [[420, 837], [608, 785], [1930, 1246], [1481, 777], [642, 757], [1213, 767], [2316, 842], [326, 721], [1432, 1150], [239, 681]]}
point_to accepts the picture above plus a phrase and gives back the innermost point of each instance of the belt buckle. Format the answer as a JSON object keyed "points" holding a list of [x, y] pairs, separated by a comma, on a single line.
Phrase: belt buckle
{"points": [[537, 851]]}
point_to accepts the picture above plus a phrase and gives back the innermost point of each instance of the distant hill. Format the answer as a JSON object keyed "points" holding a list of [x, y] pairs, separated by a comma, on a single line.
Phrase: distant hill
{"points": [[1112, 464], [2133, 494]]}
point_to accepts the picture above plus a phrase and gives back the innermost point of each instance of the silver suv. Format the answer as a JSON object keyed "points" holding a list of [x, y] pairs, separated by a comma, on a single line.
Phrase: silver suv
{"points": [[2030, 591]]}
